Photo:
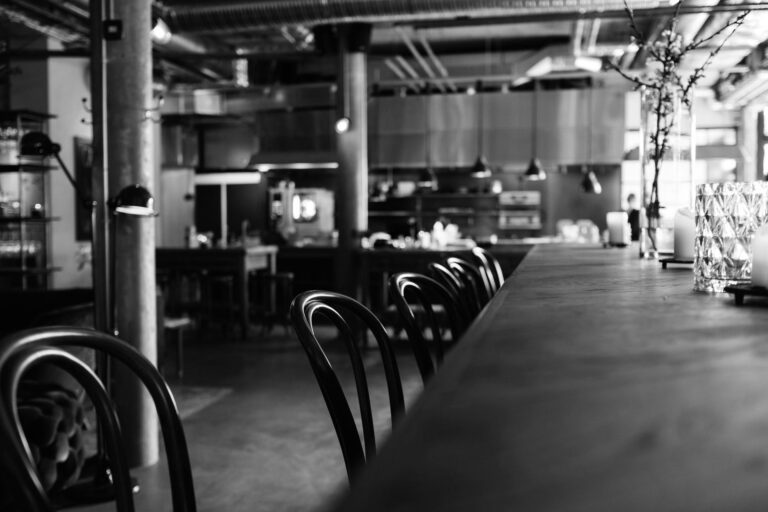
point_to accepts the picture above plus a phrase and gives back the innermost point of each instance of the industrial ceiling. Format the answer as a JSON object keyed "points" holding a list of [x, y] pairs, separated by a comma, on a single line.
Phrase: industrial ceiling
{"points": [[416, 45]]}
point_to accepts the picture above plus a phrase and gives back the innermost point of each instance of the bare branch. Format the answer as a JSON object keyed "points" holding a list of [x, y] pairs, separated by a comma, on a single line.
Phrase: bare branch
{"points": [[665, 82], [633, 23], [637, 80], [733, 22], [698, 73]]}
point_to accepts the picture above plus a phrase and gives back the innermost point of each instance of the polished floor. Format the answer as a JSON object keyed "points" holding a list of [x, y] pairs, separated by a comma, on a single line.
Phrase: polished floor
{"points": [[261, 438]]}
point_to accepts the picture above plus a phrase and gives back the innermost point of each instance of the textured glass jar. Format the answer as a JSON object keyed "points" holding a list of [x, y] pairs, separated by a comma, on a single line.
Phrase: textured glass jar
{"points": [[727, 216]]}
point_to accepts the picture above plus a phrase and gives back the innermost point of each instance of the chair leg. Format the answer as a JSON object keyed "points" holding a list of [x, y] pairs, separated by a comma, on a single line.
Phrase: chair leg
{"points": [[180, 353]]}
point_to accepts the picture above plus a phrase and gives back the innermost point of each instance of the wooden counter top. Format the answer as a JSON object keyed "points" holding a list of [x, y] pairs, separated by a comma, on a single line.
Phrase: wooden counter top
{"points": [[594, 381]]}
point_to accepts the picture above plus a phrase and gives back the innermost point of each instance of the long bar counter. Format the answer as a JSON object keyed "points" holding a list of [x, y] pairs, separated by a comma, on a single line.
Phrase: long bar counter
{"points": [[594, 381]]}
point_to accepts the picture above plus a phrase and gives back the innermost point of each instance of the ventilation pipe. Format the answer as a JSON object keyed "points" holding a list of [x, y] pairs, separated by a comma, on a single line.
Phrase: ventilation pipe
{"points": [[228, 16]]}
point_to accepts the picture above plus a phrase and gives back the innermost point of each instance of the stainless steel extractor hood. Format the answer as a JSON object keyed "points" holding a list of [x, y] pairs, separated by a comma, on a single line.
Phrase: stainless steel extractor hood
{"points": [[569, 129]]}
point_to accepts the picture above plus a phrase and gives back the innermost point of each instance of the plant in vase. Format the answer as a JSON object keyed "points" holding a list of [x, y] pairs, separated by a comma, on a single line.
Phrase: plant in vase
{"points": [[665, 90]]}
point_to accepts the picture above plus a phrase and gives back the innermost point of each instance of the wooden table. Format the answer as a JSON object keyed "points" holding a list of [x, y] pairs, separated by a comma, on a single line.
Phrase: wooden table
{"points": [[237, 261], [594, 381]]}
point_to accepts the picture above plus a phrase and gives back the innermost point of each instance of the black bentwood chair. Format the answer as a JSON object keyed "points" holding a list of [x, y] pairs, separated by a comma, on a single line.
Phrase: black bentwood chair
{"points": [[445, 276], [491, 266], [416, 297], [336, 307], [25, 349], [475, 281]]}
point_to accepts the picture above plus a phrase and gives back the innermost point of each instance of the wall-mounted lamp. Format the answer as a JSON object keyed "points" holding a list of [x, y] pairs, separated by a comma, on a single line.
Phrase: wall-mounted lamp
{"points": [[342, 124], [38, 144], [134, 200]]}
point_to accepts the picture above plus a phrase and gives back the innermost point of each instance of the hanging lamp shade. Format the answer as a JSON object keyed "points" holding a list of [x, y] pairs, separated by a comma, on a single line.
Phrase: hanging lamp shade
{"points": [[480, 169], [535, 171], [590, 183], [134, 200], [426, 179]]}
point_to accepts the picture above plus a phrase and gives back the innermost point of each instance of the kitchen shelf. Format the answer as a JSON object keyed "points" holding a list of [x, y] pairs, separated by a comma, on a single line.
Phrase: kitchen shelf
{"points": [[24, 115], [478, 214], [14, 220], [25, 167], [28, 271], [24, 236], [391, 214]]}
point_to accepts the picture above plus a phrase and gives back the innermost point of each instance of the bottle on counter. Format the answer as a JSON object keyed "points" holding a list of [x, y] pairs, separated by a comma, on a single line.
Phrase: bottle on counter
{"points": [[190, 237]]}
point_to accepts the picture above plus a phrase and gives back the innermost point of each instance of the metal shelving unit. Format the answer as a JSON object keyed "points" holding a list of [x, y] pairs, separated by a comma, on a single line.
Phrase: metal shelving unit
{"points": [[24, 200]]}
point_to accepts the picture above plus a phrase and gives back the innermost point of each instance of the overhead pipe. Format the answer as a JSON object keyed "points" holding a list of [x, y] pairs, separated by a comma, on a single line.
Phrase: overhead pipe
{"points": [[409, 69], [236, 15], [66, 22], [401, 74], [416, 55], [436, 62], [189, 45], [639, 57], [53, 30], [50, 13], [578, 36], [594, 31]]}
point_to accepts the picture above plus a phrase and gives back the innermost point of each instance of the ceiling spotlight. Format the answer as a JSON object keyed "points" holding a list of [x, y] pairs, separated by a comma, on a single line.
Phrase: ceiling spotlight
{"points": [[161, 33]]}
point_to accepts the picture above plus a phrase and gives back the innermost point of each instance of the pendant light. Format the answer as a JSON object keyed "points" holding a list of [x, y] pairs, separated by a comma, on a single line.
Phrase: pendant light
{"points": [[535, 171], [589, 182], [427, 178], [480, 169]]}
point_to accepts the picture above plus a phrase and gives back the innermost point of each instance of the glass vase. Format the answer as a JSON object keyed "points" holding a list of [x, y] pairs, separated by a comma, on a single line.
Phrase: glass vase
{"points": [[727, 216], [667, 149]]}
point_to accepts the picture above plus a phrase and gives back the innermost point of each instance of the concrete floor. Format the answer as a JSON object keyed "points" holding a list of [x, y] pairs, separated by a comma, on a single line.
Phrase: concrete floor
{"points": [[268, 444]]}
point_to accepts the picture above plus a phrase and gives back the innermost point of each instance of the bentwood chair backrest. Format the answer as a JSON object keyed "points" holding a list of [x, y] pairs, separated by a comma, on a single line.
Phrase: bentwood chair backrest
{"points": [[475, 280], [445, 276], [22, 350], [343, 311], [411, 292], [491, 265]]}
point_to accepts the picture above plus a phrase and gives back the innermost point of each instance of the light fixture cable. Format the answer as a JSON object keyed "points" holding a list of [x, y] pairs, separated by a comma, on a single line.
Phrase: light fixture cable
{"points": [[589, 183], [535, 172]]}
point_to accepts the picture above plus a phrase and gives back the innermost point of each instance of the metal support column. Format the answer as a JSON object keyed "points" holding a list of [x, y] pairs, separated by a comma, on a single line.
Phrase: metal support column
{"points": [[352, 150], [129, 98]]}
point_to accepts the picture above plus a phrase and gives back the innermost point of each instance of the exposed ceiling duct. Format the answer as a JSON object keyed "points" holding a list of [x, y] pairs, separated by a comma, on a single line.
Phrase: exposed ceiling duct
{"points": [[254, 15], [46, 20], [68, 22], [751, 89]]}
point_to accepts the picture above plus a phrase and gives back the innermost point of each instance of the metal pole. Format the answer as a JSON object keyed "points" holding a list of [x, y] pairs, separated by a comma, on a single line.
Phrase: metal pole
{"points": [[99, 180], [352, 185], [131, 155]]}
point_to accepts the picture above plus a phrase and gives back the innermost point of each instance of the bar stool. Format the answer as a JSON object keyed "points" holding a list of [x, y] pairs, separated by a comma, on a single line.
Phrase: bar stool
{"points": [[274, 292], [173, 328], [182, 294], [218, 298]]}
